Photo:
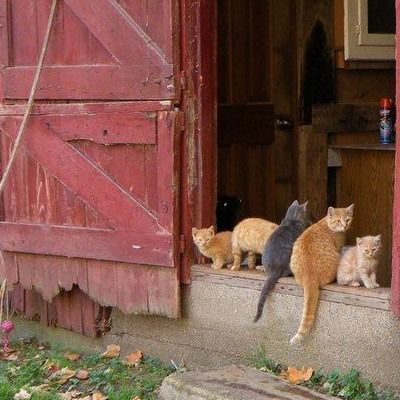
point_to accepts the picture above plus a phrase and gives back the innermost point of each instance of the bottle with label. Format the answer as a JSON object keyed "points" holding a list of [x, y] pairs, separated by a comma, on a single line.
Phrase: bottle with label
{"points": [[386, 124]]}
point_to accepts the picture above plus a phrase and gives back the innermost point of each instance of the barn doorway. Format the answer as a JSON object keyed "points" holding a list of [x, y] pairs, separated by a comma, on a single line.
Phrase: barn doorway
{"points": [[256, 109]]}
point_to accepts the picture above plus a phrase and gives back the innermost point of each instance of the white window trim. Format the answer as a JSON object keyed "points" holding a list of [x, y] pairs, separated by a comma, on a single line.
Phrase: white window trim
{"points": [[358, 43]]}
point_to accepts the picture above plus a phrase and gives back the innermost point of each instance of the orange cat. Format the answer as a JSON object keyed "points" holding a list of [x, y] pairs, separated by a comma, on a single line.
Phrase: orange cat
{"points": [[315, 260], [250, 235], [218, 246]]}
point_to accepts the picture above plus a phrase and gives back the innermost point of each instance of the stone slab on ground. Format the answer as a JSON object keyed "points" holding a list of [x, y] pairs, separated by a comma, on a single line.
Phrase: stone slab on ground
{"points": [[233, 383]]}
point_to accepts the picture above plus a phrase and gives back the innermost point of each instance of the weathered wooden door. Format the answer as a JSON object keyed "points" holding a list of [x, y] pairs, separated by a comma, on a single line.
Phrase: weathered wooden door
{"points": [[92, 200]]}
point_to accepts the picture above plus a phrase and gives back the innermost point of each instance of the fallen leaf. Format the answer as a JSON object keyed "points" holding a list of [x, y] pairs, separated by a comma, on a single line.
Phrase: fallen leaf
{"points": [[72, 356], [82, 374], [296, 376], [136, 398], [22, 395], [9, 356], [73, 394], [62, 376], [40, 388], [98, 396], [51, 366], [112, 351], [133, 358]]}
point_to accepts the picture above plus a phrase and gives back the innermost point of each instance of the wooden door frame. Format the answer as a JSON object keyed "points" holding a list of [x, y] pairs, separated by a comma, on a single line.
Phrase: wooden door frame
{"points": [[199, 149], [199, 106], [395, 288]]}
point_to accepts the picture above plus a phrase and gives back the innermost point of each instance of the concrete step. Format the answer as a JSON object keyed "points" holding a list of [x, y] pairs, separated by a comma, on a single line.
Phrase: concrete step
{"points": [[232, 383]]}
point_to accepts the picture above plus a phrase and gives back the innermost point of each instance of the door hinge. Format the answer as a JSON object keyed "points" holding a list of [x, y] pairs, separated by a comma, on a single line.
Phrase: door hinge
{"points": [[358, 29], [182, 244]]}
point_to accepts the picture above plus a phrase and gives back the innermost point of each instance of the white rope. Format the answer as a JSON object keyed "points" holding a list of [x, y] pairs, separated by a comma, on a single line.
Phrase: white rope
{"points": [[28, 110]]}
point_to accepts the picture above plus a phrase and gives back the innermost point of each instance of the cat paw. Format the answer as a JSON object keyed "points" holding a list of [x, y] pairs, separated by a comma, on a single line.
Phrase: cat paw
{"points": [[355, 284], [216, 267], [235, 267], [296, 339], [260, 268], [375, 285]]}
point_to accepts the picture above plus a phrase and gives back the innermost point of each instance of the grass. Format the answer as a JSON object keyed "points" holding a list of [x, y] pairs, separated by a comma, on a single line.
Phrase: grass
{"points": [[347, 385], [112, 377]]}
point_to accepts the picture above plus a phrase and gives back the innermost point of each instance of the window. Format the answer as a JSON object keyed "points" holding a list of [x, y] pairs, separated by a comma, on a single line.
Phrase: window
{"points": [[369, 29]]}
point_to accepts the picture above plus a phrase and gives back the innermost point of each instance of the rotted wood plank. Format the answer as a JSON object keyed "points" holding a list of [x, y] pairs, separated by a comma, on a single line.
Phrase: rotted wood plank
{"points": [[100, 244], [77, 173], [363, 297], [93, 82]]}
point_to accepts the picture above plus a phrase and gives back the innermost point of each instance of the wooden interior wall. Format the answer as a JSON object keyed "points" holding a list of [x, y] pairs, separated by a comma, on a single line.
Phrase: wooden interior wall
{"points": [[366, 178], [255, 82]]}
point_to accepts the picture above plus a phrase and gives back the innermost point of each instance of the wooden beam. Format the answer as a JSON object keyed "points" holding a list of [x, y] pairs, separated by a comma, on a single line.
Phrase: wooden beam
{"points": [[98, 244], [333, 118], [92, 82]]}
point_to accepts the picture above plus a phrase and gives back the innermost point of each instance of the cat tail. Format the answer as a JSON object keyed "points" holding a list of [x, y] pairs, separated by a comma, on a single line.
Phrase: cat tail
{"points": [[268, 286], [311, 295]]}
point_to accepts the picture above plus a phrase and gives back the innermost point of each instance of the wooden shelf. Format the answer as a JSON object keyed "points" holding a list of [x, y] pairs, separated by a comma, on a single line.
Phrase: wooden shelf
{"points": [[364, 146]]}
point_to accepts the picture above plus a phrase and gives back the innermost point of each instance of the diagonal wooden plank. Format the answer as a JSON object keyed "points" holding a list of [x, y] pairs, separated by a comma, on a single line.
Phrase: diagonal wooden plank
{"points": [[98, 244], [82, 177], [127, 43]]}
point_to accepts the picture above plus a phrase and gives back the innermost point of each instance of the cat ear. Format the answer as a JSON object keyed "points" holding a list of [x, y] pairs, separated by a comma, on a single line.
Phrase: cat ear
{"points": [[304, 205], [377, 239], [211, 228], [330, 211], [194, 230], [358, 241], [350, 210], [295, 203]]}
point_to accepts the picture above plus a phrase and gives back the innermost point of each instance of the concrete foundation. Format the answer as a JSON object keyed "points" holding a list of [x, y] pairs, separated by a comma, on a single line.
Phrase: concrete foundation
{"points": [[217, 330]]}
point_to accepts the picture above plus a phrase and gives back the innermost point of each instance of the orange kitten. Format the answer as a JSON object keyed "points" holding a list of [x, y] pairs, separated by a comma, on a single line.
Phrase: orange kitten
{"points": [[358, 264], [250, 235], [315, 260], [218, 246]]}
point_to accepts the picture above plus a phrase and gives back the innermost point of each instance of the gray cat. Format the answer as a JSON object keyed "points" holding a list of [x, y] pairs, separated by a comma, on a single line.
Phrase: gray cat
{"points": [[278, 249]]}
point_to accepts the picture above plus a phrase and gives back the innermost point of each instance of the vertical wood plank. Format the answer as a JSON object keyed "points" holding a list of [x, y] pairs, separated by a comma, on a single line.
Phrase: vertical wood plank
{"points": [[132, 288], [102, 280], [312, 176], [24, 35], [4, 34]]}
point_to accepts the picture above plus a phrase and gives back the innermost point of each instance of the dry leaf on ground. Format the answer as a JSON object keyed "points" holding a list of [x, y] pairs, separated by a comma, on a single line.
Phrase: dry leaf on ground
{"points": [[22, 395], [62, 376], [98, 396], [72, 394], [296, 376], [133, 358], [72, 356], [112, 351], [136, 398], [51, 367], [82, 374]]}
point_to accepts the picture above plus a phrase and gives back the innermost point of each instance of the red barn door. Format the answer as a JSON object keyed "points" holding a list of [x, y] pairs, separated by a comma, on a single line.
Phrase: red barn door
{"points": [[92, 199]]}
